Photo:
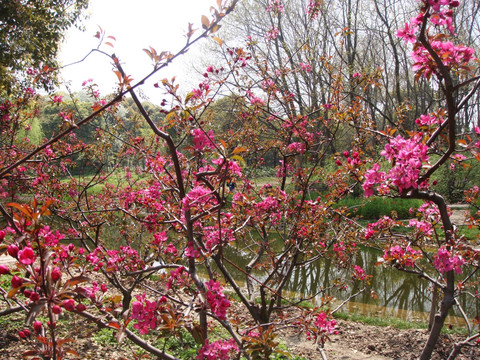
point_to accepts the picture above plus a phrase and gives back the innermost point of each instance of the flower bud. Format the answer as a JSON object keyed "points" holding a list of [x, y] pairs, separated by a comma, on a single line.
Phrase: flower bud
{"points": [[69, 304], [56, 274], [12, 250], [16, 282], [4, 269], [37, 327]]}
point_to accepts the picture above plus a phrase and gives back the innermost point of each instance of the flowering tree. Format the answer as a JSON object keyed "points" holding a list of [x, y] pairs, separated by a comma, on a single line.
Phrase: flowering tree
{"points": [[184, 215], [411, 163]]}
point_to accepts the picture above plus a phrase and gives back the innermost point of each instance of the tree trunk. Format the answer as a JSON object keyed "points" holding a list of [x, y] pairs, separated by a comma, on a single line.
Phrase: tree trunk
{"points": [[446, 304]]}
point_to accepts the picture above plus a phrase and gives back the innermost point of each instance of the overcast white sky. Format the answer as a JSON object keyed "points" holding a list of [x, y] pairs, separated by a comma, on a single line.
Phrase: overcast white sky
{"points": [[136, 25]]}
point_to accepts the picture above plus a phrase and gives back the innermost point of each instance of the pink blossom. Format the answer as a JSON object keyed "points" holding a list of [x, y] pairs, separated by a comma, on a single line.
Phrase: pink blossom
{"points": [[306, 67], [202, 139], [27, 256], [373, 176], [272, 34], [50, 238], [383, 223], [12, 250], [407, 33], [4, 269], [69, 304], [425, 227], [254, 99], [398, 256], [325, 325], [16, 282], [160, 238], [313, 8], [34, 297], [445, 261], [428, 120], [275, 6], [359, 273], [170, 249], [218, 350], [57, 99], [145, 312], [217, 301], [177, 277], [296, 147], [56, 274], [37, 327], [453, 56], [86, 82], [199, 196], [407, 157]]}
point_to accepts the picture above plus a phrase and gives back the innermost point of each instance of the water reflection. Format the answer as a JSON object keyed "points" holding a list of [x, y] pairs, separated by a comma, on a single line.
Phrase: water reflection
{"points": [[399, 294]]}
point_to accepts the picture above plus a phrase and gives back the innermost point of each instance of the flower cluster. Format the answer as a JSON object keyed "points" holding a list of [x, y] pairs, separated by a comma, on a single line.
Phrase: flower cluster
{"points": [[453, 56], [440, 14], [360, 274], [270, 206], [203, 140], [198, 197], [305, 67], [145, 312], [445, 261], [400, 257], [296, 147], [255, 100], [428, 120], [218, 350], [275, 6], [424, 227], [178, 277], [325, 325], [217, 301], [213, 236], [272, 34], [384, 223], [407, 157], [313, 9]]}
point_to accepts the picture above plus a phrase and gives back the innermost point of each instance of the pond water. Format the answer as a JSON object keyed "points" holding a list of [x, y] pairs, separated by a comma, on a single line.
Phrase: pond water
{"points": [[399, 294]]}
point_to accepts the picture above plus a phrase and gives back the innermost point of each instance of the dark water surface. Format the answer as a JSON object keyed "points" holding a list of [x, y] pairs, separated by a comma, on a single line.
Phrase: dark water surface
{"points": [[399, 294]]}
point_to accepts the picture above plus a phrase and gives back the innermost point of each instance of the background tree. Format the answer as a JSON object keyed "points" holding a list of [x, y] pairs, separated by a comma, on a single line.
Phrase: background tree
{"points": [[30, 35]]}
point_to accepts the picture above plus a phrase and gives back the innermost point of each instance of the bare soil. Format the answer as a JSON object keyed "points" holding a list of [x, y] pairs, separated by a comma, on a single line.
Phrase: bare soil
{"points": [[355, 341]]}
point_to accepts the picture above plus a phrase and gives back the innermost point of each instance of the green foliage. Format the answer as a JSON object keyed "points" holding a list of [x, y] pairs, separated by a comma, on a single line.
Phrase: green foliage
{"points": [[31, 33], [182, 346], [376, 207], [33, 133], [393, 322], [452, 182]]}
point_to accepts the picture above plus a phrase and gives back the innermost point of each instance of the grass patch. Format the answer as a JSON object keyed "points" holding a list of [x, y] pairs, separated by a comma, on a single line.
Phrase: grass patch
{"points": [[394, 322], [380, 321], [376, 207], [470, 233]]}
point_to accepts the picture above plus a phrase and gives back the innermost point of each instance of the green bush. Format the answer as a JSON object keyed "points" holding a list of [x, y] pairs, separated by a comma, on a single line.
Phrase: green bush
{"points": [[452, 183], [376, 207]]}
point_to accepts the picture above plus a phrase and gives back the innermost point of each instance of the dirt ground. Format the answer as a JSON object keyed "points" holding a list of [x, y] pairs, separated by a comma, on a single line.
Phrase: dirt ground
{"points": [[355, 341]]}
